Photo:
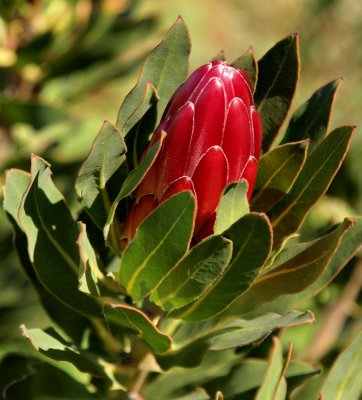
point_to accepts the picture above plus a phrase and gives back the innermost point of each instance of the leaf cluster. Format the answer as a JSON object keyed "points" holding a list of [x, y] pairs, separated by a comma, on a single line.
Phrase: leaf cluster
{"points": [[132, 319]]}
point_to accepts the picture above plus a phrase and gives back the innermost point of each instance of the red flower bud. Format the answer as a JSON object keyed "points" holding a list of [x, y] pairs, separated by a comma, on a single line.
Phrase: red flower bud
{"points": [[213, 139]]}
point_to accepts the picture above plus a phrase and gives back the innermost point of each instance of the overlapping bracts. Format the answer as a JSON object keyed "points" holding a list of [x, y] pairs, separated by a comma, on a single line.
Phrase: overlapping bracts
{"points": [[213, 139]]}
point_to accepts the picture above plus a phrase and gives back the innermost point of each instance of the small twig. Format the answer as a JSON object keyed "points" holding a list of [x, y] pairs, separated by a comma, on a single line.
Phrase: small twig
{"points": [[336, 316]]}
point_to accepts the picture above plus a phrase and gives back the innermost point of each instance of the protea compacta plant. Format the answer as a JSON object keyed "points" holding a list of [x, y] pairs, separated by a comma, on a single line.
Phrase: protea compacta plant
{"points": [[184, 255]]}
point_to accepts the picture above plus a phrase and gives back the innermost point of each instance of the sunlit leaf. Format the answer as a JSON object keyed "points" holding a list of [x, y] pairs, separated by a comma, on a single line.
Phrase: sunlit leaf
{"points": [[193, 340], [274, 384], [193, 274], [294, 270], [131, 319], [247, 62], [91, 279], [312, 182], [52, 345], [161, 240], [166, 68], [52, 240], [347, 248], [105, 157], [249, 233], [277, 171], [131, 182], [233, 205], [344, 380]]}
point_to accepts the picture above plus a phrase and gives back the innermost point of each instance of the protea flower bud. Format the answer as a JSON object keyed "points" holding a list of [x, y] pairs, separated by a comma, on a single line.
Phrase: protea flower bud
{"points": [[213, 139]]}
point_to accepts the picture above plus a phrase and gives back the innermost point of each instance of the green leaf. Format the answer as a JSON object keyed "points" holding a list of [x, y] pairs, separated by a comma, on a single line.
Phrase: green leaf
{"points": [[311, 119], [214, 365], [52, 345], [277, 81], [161, 240], [274, 374], [248, 374], [193, 274], [52, 235], [251, 232], [344, 380], [140, 125], [91, 279], [312, 182], [224, 334], [293, 271], [220, 56], [132, 181], [247, 62], [347, 248], [104, 159], [277, 171], [166, 68], [72, 323], [233, 205], [16, 183], [134, 320]]}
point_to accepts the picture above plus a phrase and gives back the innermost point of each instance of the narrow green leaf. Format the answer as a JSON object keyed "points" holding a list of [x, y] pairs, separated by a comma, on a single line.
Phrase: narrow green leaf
{"points": [[344, 380], [242, 332], [277, 81], [105, 157], [52, 345], [233, 205], [293, 271], [193, 274], [134, 320], [161, 240], [247, 62], [277, 171], [312, 182], [222, 334], [347, 248], [274, 373], [91, 279], [166, 68], [311, 119], [52, 235], [132, 181], [251, 232]]}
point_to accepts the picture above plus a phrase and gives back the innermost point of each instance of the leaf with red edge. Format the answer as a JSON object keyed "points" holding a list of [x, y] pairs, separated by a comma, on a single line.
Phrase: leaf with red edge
{"points": [[130, 319], [252, 231], [311, 119], [294, 270], [277, 81], [312, 182], [166, 68], [277, 171], [247, 62]]}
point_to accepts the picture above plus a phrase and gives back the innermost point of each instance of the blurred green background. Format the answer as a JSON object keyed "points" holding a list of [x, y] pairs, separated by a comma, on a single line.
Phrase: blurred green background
{"points": [[66, 65]]}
